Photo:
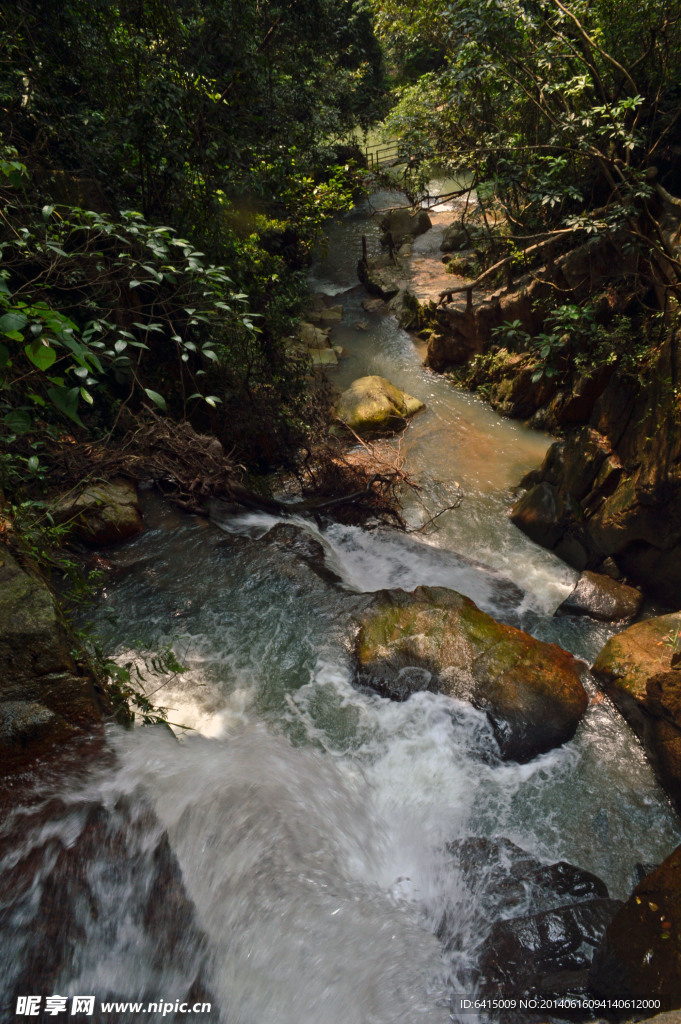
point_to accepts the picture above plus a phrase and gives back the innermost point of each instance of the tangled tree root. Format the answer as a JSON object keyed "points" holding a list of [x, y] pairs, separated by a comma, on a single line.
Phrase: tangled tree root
{"points": [[190, 469]]}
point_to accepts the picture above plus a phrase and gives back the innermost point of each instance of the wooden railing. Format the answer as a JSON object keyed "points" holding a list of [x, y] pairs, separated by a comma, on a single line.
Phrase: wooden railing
{"points": [[379, 156]]}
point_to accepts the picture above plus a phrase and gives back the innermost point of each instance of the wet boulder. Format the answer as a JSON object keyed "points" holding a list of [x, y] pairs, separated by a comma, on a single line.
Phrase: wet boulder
{"points": [[374, 404], [454, 237], [636, 669], [101, 513], [639, 954], [84, 861], [507, 881], [602, 598], [382, 277], [548, 953], [547, 919], [436, 639]]}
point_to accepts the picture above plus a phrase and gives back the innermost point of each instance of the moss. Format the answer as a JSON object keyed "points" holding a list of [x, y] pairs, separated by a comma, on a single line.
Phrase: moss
{"points": [[373, 403], [532, 687]]}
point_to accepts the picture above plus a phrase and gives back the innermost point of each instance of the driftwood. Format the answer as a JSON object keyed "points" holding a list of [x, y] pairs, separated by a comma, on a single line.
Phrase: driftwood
{"points": [[190, 469]]}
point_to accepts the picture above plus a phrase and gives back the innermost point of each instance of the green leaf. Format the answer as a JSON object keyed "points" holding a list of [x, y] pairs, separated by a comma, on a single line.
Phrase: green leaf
{"points": [[157, 399], [41, 354], [85, 394], [47, 212], [18, 420], [66, 401], [33, 463], [12, 322]]}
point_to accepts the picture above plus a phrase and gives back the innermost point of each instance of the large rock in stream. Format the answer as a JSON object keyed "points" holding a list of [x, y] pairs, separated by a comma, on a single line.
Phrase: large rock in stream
{"points": [[101, 513], [547, 919], [373, 404], [436, 639], [405, 221], [639, 955], [637, 670], [602, 598]]}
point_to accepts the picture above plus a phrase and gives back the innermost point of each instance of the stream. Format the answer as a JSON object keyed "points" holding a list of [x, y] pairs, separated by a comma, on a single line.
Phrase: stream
{"points": [[309, 819]]}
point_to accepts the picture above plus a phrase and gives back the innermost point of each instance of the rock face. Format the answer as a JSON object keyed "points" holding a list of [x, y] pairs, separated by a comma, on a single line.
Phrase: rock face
{"points": [[639, 955], [374, 404], [582, 271], [101, 513], [613, 489], [435, 639], [603, 598], [57, 904], [43, 699], [635, 670]]}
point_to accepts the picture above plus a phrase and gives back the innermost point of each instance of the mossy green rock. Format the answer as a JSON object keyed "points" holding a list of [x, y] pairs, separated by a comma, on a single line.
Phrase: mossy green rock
{"points": [[373, 404], [101, 513], [637, 670], [436, 639], [43, 698]]}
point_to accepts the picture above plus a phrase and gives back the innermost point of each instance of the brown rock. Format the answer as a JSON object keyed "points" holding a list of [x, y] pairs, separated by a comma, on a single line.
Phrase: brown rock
{"points": [[435, 639], [603, 598], [547, 953], [639, 954], [101, 513], [635, 670]]}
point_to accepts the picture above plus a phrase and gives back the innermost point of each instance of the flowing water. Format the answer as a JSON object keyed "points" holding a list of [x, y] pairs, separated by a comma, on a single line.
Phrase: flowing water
{"points": [[309, 819]]}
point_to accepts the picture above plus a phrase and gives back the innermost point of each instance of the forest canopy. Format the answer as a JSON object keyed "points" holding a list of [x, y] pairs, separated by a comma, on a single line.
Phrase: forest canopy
{"points": [[570, 112], [165, 170]]}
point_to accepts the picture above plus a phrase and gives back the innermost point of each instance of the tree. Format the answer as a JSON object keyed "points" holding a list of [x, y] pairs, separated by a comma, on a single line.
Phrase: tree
{"points": [[567, 110]]}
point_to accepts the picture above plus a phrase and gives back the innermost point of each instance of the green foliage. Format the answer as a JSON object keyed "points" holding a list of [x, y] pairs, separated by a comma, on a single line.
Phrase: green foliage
{"points": [[131, 684], [167, 169], [560, 108]]}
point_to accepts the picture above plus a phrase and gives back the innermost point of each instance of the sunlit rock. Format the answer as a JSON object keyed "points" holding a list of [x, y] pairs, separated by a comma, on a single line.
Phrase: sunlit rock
{"points": [[636, 670], [374, 404], [436, 639]]}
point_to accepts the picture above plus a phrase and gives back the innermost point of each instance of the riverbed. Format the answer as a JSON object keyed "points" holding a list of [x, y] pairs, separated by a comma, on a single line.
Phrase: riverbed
{"points": [[310, 818]]}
